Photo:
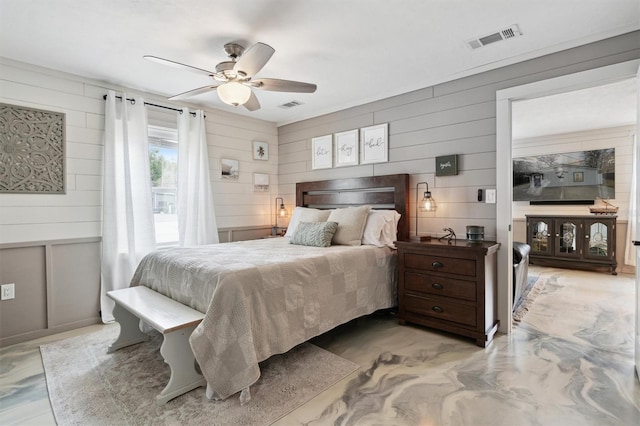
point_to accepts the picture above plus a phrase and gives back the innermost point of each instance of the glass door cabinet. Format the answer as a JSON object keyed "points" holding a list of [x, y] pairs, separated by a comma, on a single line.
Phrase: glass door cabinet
{"points": [[597, 239], [583, 242], [540, 236], [567, 233]]}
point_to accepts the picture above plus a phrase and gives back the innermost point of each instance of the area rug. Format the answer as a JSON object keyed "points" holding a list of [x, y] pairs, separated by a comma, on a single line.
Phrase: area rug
{"points": [[534, 286], [87, 386]]}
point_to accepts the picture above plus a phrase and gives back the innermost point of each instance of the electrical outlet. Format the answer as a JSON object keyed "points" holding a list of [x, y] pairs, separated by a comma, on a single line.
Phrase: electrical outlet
{"points": [[8, 291], [490, 196]]}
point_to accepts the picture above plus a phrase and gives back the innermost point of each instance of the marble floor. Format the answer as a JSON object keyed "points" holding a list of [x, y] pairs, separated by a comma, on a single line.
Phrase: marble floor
{"points": [[569, 362]]}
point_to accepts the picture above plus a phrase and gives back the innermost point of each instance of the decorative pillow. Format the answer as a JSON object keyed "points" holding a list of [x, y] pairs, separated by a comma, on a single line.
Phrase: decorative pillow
{"points": [[314, 234], [351, 221], [305, 214], [381, 228]]}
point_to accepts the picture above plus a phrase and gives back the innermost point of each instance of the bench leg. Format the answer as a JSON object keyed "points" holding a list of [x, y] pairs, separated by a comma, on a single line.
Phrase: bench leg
{"points": [[130, 333], [177, 353]]}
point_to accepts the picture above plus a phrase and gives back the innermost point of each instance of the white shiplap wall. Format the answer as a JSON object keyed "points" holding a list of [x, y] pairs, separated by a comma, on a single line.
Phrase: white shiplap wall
{"points": [[457, 117], [620, 138], [78, 213]]}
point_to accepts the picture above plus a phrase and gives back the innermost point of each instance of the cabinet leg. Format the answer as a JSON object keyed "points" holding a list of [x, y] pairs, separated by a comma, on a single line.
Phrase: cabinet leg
{"points": [[401, 322]]}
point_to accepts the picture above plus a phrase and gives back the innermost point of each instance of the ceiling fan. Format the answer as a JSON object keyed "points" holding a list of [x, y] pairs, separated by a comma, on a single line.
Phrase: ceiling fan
{"points": [[234, 78]]}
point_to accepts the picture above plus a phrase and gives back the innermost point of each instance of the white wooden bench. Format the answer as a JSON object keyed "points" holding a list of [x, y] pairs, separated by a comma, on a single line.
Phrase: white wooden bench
{"points": [[174, 320]]}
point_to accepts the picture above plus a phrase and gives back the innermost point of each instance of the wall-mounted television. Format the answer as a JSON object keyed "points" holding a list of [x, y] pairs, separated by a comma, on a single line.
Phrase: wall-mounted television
{"points": [[567, 178]]}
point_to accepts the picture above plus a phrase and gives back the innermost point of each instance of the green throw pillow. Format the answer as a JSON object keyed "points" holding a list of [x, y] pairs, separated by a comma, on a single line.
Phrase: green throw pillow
{"points": [[314, 234]]}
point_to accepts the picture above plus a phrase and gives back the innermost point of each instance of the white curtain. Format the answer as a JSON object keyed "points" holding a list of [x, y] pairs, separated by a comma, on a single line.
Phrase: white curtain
{"points": [[630, 249], [196, 215], [127, 223]]}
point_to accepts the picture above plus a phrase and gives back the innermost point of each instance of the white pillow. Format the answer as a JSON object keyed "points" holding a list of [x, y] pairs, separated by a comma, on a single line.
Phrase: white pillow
{"points": [[351, 221], [305, 214], [390, 231], [381, 228]]}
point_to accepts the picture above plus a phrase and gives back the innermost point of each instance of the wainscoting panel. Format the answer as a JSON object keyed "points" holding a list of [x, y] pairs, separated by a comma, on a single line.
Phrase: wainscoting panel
{"points": [[75, 281], [25, 267], [227, 235], [57, 287]]}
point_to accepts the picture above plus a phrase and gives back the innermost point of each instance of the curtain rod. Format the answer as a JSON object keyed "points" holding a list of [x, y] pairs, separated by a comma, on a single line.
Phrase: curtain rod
{"points": [[133, 101]]}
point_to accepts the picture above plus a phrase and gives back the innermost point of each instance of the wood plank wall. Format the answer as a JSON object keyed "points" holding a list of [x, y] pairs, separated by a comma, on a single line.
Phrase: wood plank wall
{"points": [[78, 213], [456, 117]]}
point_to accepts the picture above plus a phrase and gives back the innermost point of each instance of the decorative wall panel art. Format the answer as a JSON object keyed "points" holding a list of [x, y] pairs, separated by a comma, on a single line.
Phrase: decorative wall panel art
{"points": [[32, 151]]}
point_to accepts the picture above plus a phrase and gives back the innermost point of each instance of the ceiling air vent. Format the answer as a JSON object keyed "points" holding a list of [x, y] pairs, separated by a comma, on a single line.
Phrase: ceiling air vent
{"points": [[510, 32], [290, 104]]}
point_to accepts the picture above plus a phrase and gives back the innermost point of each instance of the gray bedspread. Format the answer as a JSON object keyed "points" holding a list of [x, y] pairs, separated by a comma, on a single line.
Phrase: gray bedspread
{"points": [[263, 297]]}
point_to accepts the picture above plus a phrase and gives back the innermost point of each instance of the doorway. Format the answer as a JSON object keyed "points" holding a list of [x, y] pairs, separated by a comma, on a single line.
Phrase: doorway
{"points": [[504, 172]]}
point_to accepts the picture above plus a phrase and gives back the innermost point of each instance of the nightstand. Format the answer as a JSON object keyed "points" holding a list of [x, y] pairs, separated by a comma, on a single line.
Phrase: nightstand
{"points": [[449, 286]]}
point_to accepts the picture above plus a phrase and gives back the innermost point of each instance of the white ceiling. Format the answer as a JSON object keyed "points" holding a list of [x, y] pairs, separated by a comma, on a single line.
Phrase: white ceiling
{"points": [[599, 107], [356, 51]]}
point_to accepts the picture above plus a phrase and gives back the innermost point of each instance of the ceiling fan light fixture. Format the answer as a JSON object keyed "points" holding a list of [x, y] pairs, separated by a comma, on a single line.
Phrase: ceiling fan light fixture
{"points": [[234, 93]]}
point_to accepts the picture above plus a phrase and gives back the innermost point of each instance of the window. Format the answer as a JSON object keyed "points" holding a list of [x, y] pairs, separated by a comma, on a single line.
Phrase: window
{"points": [[163, 162]]}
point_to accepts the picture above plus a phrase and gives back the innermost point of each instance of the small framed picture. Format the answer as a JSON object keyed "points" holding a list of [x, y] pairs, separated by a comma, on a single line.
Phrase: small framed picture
{"points": [[260, 150], [447, 165], [374, 146], [322, 152], [260, 182], [347, 153], [578, 176], [230, 169]]}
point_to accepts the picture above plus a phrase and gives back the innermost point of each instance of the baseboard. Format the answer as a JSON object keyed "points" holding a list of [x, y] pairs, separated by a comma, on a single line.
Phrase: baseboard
{"points": [[36, 334]]}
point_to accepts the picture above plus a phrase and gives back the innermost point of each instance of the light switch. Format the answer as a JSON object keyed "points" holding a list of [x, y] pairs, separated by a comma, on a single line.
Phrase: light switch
{"points": [[490, 196]]}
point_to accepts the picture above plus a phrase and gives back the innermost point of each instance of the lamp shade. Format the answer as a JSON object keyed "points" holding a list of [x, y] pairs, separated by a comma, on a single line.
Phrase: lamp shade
{"points": [[427, 204], [234, 93]]}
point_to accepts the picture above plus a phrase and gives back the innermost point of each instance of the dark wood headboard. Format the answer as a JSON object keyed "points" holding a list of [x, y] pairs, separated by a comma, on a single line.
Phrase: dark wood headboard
{"points": [[381, 192]]}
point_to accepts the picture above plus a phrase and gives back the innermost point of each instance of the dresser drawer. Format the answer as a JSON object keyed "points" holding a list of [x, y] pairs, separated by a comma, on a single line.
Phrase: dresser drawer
{"points": [[441, 286], [433, 263], [444, 310]]}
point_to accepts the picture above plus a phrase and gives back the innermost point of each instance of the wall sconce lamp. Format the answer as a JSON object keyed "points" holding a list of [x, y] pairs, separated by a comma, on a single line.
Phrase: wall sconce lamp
{"points": [[427, 204], [281, 212]]}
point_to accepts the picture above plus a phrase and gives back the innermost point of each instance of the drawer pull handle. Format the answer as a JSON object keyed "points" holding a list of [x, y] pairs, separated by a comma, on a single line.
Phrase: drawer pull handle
{"points": [[437, 286], [437, 264], [437, 309]]}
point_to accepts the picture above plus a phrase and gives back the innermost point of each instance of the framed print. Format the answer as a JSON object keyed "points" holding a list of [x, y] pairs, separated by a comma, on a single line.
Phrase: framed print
{"points": [[447, 165], [374, 146], [322, 152], [260, 150], [347, 153], [260, 182], [230, 169]]}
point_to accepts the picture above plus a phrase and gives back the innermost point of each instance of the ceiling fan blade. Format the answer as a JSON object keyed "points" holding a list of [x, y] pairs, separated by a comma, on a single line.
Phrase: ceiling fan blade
{"points": [[277, 85], [178, 65], [252, 104], [254, 59], [195, 92]]}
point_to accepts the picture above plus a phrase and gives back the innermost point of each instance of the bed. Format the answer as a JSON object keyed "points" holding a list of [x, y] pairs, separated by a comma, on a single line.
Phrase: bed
{"points": [[263, 297]]}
